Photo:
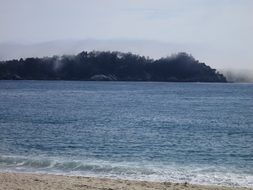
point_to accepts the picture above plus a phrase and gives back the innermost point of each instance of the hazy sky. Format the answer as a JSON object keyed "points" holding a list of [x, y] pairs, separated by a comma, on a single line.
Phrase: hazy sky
{"points": [[218, 32]]}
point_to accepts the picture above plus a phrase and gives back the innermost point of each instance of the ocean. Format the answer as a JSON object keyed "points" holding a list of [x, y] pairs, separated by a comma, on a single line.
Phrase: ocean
{"points": [[201, 133]]}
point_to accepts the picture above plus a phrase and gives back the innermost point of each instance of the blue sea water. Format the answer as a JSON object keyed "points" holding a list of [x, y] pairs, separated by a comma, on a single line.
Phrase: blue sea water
{"points": [[196, 132]]}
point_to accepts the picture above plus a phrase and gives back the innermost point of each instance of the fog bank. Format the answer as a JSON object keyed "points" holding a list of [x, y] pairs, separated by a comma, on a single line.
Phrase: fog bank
{"points": [[238, 76]]}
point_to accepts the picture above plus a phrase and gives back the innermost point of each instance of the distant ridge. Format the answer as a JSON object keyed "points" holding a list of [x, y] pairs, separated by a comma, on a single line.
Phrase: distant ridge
{"points": [[110, 66]]}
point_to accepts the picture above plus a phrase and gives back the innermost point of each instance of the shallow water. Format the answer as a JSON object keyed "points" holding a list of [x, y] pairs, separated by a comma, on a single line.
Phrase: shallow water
{"points": [[195, 132]]}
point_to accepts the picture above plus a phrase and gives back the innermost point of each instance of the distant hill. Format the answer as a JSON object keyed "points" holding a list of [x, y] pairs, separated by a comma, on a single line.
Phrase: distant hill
{"points": [[110, 66]]}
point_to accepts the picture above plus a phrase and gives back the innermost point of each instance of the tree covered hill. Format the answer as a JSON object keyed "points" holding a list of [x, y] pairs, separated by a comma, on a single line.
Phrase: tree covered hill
{"points": [[110, 66]]}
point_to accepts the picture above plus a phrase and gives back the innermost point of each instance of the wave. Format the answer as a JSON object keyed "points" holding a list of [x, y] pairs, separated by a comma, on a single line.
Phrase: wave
{"points": [[209, 175]]}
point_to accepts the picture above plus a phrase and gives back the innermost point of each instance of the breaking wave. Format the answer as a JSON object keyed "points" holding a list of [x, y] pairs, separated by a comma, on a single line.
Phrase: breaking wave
{"points": [[128, 170]]}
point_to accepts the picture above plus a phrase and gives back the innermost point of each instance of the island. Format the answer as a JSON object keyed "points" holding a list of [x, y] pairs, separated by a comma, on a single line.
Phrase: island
{"points": [[110, 66]]}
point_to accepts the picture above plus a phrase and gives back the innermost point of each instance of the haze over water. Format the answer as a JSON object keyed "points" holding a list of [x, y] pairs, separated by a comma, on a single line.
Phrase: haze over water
{"points": [[195, 132]]}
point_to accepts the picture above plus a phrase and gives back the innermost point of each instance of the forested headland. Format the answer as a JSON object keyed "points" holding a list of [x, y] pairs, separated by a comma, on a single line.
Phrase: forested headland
{"points": [[110, 66]]}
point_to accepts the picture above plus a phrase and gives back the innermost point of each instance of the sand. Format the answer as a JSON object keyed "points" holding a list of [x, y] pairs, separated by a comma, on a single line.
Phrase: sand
{"points": [[21, 181]]}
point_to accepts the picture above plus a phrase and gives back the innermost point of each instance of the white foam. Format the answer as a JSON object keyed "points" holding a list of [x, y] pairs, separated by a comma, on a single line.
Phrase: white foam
{"points": [[195, 174]]}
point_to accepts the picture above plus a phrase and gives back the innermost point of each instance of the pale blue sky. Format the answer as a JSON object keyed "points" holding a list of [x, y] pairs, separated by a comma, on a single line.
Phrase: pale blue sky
{"points": [[218, 32]]}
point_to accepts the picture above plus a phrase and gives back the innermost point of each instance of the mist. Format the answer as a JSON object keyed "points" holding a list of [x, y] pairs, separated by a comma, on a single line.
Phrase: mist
{"points": [[234, 70], [153, 49], [238, 76]]}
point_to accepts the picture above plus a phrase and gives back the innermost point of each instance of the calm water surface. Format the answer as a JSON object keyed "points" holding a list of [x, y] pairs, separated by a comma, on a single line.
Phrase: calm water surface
{"points": [[195, 132]]}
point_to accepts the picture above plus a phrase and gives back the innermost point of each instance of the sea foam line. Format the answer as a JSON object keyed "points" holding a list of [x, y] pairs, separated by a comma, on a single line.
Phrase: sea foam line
{"points": [[197, 174]]}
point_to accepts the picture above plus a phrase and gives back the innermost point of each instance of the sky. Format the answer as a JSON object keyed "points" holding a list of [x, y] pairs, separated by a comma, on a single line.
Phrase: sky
{"points": [[217, 32]]}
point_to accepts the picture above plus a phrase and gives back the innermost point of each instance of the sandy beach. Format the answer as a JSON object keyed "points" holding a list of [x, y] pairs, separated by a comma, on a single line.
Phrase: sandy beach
{"points": [[21, 181]]}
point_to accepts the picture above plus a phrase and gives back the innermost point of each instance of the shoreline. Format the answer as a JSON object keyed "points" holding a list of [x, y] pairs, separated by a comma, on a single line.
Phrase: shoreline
{"points": [[35, 181]]}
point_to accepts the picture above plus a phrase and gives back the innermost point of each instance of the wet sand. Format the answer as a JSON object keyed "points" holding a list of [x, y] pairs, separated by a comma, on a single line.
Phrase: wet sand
{"points": [[21, 181]]}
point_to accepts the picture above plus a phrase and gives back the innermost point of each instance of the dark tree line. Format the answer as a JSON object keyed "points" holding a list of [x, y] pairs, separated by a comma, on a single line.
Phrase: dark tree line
{"points": [[110, 66]]}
